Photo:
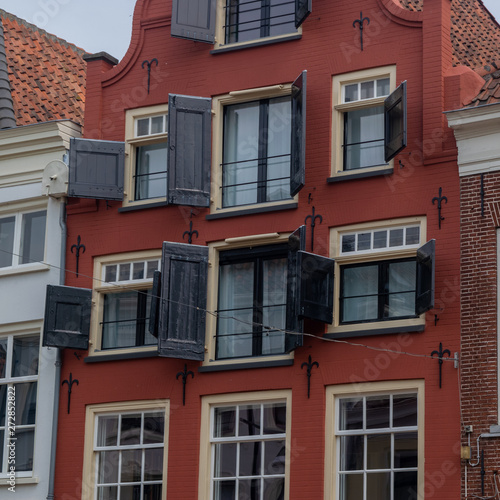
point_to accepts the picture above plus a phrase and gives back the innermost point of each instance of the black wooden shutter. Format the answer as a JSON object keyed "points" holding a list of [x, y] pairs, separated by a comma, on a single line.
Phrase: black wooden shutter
{"points": [[316, 286], [96, 169], [154, 313], [194, 20], [426, 263], [395, 122], [181, 332], [298, 142], [189, 141], [294, 323], [302, 9], [67, 317]]}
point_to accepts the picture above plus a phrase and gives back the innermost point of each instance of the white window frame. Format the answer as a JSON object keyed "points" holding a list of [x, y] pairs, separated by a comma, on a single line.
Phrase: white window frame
{"points": [[93, 412], [207, 456], [101, 287], [10, 381], [332, 450], [388, 253], [133, 141], [498, 323], [340, 107]]}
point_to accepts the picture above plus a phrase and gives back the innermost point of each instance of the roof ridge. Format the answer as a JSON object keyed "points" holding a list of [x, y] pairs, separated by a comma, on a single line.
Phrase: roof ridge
{"points": [[34, 27]]}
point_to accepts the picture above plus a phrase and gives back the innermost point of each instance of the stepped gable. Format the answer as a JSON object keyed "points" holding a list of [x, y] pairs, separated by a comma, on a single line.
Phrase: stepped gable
{"points": [[47, 74], [475, 34]]}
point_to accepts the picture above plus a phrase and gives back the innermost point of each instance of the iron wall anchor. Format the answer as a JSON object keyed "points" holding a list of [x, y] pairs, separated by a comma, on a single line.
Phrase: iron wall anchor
{"points": [[309, 364], [149, 64], [440, 355], [361, 21], [78, 247], [440, 199], [70, 383], [190, 233], [184, 375], [313, 218]]}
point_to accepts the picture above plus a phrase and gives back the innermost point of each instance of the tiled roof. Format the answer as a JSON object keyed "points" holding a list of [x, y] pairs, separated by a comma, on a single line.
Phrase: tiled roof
{"points": [[490, 93], [475, 35], [47, 74]]}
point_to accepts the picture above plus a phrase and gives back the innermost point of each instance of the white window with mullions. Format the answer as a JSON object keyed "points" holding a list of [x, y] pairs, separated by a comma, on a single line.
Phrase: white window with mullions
{"points": [[19, 356], [248, 450], [377, 446]]}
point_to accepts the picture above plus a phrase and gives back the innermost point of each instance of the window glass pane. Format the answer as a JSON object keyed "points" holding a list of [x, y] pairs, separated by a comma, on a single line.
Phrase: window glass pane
{"points": [[274, 489], [405, 485], [348, 243], [131, 492], [250, 458], [110, 273], [131, 466], [2, 446], [379, 485], [249, 488], [108, 467], [157, 125], [152, 267], [124, 272], [412, 235], [33, 237], [107, 493], [402, 281], [351, 452], [396, 238], [249, 421], [383, 87], [377, 412], [351, 486], [224, 422], [351, 414], [130, 432], [378, 451], [380, 239], [241, 151], [282, 17], [351, 92], [364, 138], [274, 457], [151, 171], [3, 403], [138, 271], [243, 20], [404, 410], [153, 464], [107, 431], [25, 403], [3, 357], [142, 127], [152, 491], [367, 90], [275, 418], [225, 460], [364, 241], [7, 225], [25, 356], [405, 450], [154, 428], [360, 293], [224, 490], [24, 449], [119, 320]]}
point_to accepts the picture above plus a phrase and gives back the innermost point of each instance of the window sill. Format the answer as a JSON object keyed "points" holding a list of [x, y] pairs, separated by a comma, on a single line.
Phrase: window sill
{"points": [[359, 331], [142, 206], [24, 269], [223, 213], [244, 365], [257, 43], [360, 174], [97, 358], [5, 481]]}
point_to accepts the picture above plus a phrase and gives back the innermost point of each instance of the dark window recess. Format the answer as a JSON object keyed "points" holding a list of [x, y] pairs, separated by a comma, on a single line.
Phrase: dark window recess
{"points": [[96, 169], [298, 145], [426, 270], [189, 150], [67, 317], [395, 117], [194, 20], [183, 302], [155, 304]]}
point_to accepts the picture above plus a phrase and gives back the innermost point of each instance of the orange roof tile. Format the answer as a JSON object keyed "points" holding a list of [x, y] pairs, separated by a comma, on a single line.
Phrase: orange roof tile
{"points": [[47, 74]]}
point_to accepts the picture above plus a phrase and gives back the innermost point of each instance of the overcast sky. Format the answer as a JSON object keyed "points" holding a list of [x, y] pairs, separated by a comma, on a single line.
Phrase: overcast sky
{"points": [[99, 25]]}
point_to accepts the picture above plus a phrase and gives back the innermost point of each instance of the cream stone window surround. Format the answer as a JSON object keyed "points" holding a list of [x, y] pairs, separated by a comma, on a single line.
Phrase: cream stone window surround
{"points": [[333, 393], [100, 288], [339, 108], [208, 403], [132, 142], [373, 327]]}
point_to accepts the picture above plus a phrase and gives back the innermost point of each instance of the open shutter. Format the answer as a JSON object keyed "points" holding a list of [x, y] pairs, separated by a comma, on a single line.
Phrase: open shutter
{"points": [[96, 169], [189, 156], [316, 286], [302, 9], [395, 122], [298, 140], [294, 323], [67, 317], [194, 20], [154, 313], [425, 277], [181, 332]]}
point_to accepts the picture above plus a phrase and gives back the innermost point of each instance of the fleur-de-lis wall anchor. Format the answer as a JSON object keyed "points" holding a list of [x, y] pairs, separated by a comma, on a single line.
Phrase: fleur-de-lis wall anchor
{"points": [[313, 218], [439, 200], [70, 383], [440, 355], [361, 21], [184, 375], [190, 233], [149, 64], [309, 364], [78, 247]]}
